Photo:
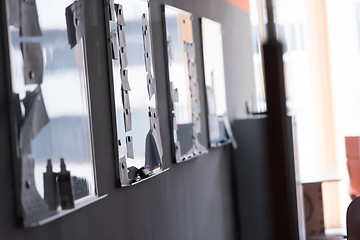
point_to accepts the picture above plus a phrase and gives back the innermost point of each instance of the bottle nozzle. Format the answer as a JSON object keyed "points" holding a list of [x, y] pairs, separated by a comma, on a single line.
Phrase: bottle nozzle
{"points": [[49, 166], [62, 165]]}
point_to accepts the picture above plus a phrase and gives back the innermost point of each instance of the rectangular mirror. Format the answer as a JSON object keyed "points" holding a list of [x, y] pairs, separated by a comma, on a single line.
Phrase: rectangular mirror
{"points": [[54, 168], [139, 146], [183, 84], [220, 132]]}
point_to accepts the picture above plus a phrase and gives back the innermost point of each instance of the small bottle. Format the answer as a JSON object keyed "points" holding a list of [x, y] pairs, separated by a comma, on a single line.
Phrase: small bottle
{"points": [[51, 190], [65, 187]]}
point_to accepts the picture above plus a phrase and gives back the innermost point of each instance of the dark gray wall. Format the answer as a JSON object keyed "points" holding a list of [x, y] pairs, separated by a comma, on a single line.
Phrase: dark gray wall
{"points": [[252, 177], [192, 200], [254, 188]]}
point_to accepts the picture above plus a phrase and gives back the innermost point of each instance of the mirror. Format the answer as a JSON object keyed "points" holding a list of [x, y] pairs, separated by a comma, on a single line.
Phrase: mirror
{"points": [[183, 84], [139, 146], [220, 132], [55, 161]]}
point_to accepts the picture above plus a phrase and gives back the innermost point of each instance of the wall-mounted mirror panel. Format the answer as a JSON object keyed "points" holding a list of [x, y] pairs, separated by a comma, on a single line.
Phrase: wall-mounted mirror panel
{"points": [[220, 132], [139, 146], [183, 84], [54, 165]]}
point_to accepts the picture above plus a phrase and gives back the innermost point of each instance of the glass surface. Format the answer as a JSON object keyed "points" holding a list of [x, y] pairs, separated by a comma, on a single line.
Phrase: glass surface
{"points": [[183, 83], [177, 60], [214, 80], [135, 15], [61, 126]]}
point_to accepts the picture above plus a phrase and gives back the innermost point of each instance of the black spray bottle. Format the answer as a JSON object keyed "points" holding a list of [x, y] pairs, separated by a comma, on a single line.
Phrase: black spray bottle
{"points": [[51, 190], [65, 187]]}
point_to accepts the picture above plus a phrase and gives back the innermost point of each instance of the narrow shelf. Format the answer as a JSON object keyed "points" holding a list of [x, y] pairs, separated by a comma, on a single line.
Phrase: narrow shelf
{"points": [[78, 205], [142, 180], [221, 144], [189, 157]]}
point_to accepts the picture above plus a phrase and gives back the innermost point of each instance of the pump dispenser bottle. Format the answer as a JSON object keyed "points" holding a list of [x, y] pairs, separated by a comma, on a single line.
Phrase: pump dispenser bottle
{"points": [[65, 187], [51, 190]]}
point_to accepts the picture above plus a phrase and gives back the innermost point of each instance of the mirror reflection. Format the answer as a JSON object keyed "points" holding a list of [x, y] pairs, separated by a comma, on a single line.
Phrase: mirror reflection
{"points": [[218, 122], [51, 103], [184, 88], [138, 131]]}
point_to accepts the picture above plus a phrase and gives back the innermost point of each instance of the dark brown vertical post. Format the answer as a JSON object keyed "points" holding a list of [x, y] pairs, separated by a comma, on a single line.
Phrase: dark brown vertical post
{"points": [[282, 184]]}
